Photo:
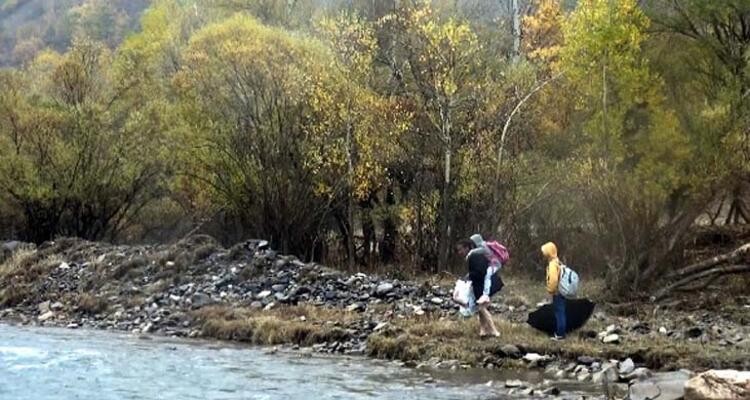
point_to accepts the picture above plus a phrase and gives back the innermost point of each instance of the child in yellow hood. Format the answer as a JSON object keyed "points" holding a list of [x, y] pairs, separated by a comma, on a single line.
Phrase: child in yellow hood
{"points": [[549, 250]]}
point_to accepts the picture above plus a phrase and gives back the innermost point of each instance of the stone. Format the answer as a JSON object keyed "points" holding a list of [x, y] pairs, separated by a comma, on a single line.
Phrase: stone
{"points": [[608, 374], [515, 383], [56, 306], [719, 384], [43, 307], [278, 287], [583, 376], [383, 289], [665, 386], [612, 338], [63, 266], [436, 300], [379, 327], [256, 305], [626, 367], [551, 391], [535, 358], [510, 350], [356, 307], [262, 295], [638, 374], [200, 300], [663, 331], [586, 360], [46, 316]]}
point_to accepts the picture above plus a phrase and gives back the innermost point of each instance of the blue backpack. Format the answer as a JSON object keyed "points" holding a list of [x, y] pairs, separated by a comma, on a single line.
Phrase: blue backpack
{"points": [[568, 284]]}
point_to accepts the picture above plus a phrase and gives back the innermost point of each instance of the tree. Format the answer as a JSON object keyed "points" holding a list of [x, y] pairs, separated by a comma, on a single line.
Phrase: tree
{"points": [[78, 158], [441, 58], [633, 172], [247, 96], [716, 40]]}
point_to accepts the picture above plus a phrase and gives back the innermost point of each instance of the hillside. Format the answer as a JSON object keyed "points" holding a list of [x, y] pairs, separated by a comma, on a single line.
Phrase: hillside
{"points": [[28, 26]]}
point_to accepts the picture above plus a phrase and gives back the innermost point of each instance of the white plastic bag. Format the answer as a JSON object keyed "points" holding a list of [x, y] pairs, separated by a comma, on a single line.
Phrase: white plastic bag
{"points": [[463, 295]]}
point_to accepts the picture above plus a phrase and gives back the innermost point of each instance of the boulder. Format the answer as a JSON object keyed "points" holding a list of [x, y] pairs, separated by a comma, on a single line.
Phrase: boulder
{"points": [[586, 360], [510, 350], [665, 386], [608, 374], [46, 316], [383, 289], [719, 384], [43, 307], [200, 300], [626, 367]]}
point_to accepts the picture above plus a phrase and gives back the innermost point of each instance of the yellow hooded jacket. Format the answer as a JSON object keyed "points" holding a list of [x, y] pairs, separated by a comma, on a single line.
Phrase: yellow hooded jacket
{"points": [[553, 268]]}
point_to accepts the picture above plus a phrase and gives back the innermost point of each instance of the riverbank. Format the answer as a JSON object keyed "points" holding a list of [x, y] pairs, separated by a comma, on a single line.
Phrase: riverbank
{"points": [[249, 294]]}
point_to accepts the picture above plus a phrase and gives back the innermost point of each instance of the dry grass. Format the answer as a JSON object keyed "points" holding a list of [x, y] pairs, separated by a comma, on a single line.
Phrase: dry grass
{"points": [[455, 339], [303, 325], [91, 304]]}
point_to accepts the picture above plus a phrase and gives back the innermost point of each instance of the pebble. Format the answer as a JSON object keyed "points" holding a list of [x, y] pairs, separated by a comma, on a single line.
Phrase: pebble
{"points": [[611, 339]]}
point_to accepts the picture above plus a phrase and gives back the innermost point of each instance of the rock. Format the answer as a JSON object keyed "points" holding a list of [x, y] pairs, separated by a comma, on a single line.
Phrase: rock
{"points": [[515, 383], [449, 364], [383, 289], [262, 295], [694, 332], [663, 331], [535, 358], [612, 338], [43, 307], [510, 350], [278, 287], [551, 391], [64, 266], [256, 305], [666, 386], [436, 300], [200, 300], [269, 306], [356, 307], [626, 367], [638, 374], [72, 325], [46, 316], [583, 376], [56, 306], [719, 384], [608, 374], [586, 360], [379, 327]]}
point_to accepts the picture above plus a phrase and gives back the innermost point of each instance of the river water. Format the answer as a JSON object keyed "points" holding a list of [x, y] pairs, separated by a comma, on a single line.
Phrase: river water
{"points": [[48, 363]]}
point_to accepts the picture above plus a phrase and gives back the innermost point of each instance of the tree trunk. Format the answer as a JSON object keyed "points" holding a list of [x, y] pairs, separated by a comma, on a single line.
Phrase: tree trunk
{"points": [[516, 31], [350, 249], [390, 231]]}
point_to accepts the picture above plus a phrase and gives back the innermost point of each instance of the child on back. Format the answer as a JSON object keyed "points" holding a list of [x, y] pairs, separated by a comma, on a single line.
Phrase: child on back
{"points": [[494, 265]]}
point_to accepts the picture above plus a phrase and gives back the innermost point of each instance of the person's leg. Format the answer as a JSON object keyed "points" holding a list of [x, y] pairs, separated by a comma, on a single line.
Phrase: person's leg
{"points": [[482, 321], [489, 323], [558, 303]]}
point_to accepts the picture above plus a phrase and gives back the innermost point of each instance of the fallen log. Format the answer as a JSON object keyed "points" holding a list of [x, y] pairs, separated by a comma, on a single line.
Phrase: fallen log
{"points": [[690, 278], [731, 257]]}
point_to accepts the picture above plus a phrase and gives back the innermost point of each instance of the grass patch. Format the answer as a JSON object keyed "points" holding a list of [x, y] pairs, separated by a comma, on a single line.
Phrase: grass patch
{"points": [[412, 339], [91, 304], [281, 326]]}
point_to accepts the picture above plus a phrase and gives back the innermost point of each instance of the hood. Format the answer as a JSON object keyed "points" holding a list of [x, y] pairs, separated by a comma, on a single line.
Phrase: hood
{"points": [[477, 239], [549, 250], [477, 250]]}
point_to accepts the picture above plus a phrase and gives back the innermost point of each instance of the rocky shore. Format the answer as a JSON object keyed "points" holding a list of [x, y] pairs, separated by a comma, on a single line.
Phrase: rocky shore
{"points": [[196, 288]]}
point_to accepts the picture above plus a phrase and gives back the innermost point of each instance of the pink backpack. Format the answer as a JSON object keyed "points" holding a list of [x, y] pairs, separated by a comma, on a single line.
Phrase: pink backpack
{"points": [[498, 251]]}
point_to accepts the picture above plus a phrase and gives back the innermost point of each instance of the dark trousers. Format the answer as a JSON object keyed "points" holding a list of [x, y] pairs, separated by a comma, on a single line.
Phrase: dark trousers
{"points": [[558, 303]]}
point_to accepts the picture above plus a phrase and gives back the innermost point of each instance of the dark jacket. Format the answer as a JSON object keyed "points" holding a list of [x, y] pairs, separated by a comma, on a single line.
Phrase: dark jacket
{"points": [[478, 264]]}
